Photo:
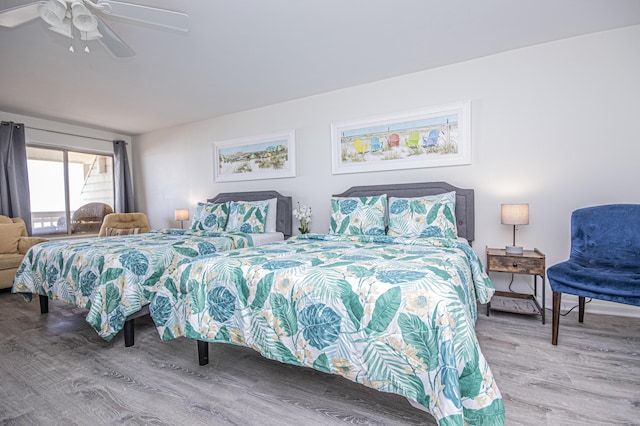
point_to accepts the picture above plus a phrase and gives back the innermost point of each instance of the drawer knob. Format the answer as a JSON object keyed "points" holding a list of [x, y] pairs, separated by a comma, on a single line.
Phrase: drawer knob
{"points": [[515, 264]]}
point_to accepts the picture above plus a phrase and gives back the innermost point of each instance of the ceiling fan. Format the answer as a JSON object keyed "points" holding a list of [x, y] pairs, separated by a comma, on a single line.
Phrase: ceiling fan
{"points": [[85, 18]]}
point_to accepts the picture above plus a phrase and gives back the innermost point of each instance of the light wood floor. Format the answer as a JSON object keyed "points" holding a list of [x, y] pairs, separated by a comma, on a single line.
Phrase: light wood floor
{"points": [[55, 370]]}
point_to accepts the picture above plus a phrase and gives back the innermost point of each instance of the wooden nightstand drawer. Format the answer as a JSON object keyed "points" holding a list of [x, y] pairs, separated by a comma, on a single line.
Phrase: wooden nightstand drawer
{"points": [[530, 262], [516, 264]]}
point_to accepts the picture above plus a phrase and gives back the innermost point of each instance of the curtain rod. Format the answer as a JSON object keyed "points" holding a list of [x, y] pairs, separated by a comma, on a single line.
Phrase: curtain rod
{"points": [[70, 134]]}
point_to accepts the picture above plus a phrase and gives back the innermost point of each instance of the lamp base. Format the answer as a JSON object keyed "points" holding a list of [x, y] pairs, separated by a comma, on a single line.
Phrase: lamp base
{"points": [[513, 249]]}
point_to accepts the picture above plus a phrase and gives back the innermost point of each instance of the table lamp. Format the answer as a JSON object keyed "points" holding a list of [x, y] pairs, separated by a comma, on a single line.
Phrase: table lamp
{"points": [[514, 214], [182, 215]]}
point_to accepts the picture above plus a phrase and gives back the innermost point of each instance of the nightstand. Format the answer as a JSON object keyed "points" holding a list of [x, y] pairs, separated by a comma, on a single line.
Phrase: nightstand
{"points": [[530, 262]]}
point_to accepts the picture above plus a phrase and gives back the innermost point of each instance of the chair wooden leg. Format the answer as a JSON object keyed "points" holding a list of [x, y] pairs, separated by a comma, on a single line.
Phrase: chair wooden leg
{"points": [[581, 308], [557, 297]]}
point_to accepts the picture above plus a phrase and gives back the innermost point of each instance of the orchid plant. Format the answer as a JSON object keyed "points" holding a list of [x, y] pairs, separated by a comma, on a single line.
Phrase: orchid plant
{"points": [[303, 214]]}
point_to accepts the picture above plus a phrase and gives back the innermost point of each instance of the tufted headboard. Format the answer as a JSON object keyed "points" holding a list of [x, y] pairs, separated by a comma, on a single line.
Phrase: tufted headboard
{"points": [[465, 214], [285, 206]]}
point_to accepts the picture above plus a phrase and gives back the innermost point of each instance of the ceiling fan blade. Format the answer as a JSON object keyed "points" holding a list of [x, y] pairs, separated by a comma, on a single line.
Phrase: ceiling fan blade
{"points": [[112, 42], [149, 15], [15, 16]]}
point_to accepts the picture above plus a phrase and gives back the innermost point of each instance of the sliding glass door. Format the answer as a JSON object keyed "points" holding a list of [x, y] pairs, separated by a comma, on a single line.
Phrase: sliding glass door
{"points": [[71, 191]]}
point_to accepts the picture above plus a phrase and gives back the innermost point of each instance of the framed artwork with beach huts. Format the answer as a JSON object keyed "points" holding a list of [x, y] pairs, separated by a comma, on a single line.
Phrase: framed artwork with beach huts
{"points": [[258, 157], [430, 137]]}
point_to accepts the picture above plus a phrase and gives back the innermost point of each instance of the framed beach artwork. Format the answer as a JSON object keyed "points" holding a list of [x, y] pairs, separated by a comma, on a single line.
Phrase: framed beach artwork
{"points": [[431, 137], [259, 157]]}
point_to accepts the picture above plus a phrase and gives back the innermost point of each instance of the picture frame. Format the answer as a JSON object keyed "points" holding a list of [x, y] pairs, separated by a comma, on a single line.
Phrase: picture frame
{"points": [[270, 156], [430, 137]]}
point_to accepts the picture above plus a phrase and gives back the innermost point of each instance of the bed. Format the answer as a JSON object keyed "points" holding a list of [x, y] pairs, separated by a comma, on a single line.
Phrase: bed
{"points": [[112, 277], [394, 312]]}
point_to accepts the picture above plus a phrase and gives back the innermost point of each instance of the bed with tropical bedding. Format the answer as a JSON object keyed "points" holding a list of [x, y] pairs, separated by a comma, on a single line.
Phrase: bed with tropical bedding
{"points": [[389, 301], [113, 277]]}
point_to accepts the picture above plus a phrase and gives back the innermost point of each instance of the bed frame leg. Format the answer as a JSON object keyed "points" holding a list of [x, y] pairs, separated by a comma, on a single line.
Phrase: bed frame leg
{"points": [[44, 304], [203, 352], [128, 333]]}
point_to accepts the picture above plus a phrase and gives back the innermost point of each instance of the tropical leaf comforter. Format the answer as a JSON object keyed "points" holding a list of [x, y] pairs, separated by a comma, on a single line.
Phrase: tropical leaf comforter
{"points": [[394, 314], [113, 277]]}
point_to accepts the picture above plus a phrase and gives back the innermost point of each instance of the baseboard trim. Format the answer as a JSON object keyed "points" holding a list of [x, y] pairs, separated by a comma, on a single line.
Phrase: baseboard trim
{"points": [[596, 306]]}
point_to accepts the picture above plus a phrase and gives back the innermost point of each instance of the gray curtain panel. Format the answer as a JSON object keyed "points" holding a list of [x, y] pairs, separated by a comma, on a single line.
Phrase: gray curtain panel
{"points": [[14, 179], [123, 183]]}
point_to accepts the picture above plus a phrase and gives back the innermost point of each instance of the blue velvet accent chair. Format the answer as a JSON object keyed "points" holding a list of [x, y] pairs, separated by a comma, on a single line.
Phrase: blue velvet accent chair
{"points": [[604, 262]]}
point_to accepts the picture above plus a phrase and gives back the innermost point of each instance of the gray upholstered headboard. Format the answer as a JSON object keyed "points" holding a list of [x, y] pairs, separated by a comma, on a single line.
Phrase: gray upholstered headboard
{"points": [[285, 206], [464, 199]]}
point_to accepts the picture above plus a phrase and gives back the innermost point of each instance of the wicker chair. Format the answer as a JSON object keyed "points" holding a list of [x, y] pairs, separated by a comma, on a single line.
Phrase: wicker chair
{"points": [[89, 217]]}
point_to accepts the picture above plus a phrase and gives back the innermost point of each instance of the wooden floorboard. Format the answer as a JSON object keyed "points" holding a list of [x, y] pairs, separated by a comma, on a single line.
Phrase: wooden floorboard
{"points": [[55, 370]]}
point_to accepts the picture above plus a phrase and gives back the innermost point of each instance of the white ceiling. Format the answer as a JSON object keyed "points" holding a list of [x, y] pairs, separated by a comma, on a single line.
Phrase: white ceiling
{"points": [[244, 54]]}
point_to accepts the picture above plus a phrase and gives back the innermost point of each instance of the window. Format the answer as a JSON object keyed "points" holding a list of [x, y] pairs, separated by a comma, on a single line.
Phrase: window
{"points": [[70, 191]]}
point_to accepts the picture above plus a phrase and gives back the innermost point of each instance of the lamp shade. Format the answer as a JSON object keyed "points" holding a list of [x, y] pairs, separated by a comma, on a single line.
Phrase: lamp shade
{"points": [[514, 214], [182, 214]]}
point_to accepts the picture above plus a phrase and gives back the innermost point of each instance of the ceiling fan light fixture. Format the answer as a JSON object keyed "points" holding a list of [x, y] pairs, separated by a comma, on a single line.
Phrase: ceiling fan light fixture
{"points": [[83, 19], [66, 17], [53, 12], [103, 7], [90, 35], [63, 28]]}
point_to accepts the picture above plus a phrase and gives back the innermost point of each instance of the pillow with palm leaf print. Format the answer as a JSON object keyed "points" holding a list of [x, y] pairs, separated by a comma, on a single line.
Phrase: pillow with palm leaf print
{"points": [[249, 217], [430, 216], [358, 215], [210, 217]]}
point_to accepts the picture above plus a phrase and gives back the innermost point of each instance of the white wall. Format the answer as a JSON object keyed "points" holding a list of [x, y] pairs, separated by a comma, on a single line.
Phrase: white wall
{"points": [[555, 125], [53, 133]]}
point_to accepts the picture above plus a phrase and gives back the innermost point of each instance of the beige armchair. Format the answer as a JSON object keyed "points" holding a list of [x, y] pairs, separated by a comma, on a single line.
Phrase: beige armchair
{"points": [[124, 224], [14, 244]]}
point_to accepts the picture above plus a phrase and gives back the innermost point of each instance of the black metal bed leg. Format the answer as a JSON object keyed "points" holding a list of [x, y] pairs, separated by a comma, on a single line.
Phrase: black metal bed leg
{"points": [[128, 333], [44, 304], [203, 352]]}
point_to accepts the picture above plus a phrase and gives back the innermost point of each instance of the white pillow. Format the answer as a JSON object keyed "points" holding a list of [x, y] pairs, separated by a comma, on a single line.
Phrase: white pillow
{"points": [[272, 214]]}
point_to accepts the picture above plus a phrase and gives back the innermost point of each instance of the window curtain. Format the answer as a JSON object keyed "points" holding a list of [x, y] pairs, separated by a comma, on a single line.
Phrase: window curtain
{"points": [[14, 180], [123, 183]]}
